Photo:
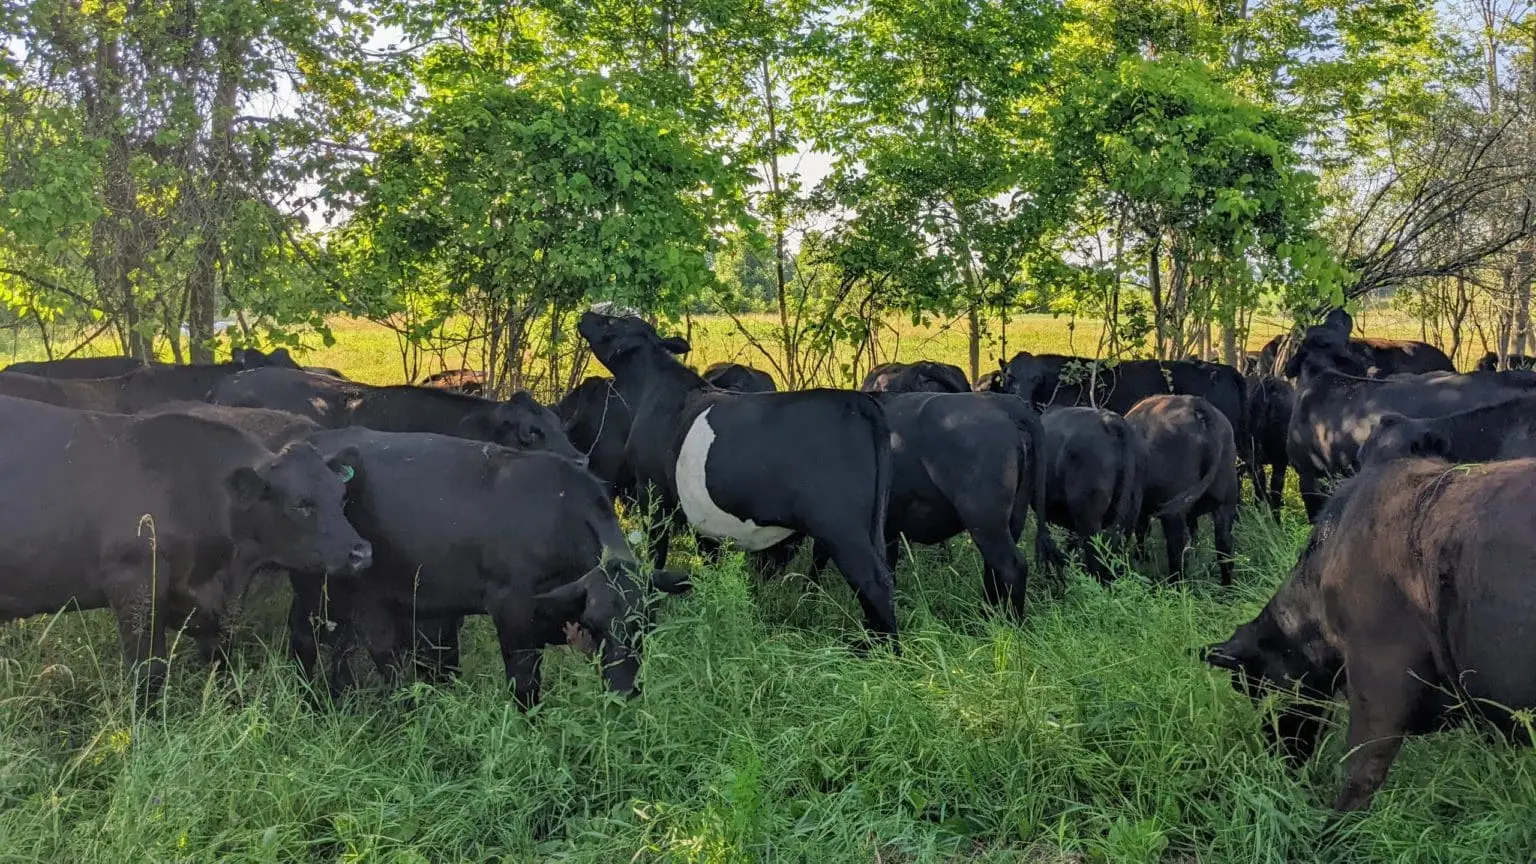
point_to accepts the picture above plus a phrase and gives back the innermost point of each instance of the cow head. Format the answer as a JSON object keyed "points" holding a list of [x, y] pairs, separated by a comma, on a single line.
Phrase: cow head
{"points": [[1489, 363], [288, 509], [255, 358], [521, 423], [1283, 649], [1324, 348], [1027, 377], [615, 339], [610, 603], [1399, 437]]}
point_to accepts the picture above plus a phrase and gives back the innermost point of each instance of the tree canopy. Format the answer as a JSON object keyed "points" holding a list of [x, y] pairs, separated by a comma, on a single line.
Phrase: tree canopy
{"points": [[472, 174]]}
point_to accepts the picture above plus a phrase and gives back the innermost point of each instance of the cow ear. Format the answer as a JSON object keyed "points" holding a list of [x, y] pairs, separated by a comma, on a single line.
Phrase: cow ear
{"points": [[566, 602], [671, 582], [676, 345], [346, 463], [245, 486]]}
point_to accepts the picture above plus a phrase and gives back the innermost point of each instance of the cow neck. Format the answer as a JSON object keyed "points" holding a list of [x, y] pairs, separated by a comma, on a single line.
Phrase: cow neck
{"points": [[656, 380]]}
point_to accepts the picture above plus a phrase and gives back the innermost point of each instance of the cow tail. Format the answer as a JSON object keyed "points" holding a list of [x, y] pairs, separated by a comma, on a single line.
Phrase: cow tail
{"points": [[882, 433], [1128, 486], [1183, 502], [1032, 444]]}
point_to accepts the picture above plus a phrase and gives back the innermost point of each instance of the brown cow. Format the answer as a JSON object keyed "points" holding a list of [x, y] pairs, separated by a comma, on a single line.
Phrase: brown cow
{"points": [[1415, 589]]}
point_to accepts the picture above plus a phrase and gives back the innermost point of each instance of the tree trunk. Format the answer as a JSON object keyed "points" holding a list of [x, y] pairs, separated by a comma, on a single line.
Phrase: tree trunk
{"points": [[202, 287], [1155, 285], [974, 318], [776, 209]]}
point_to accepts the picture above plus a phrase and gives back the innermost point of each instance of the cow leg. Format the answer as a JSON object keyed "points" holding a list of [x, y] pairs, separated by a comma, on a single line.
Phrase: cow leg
{"points": [[1276, 487], [142, 633], [1223, 519], [1311, 494], [1382, 700], [871, 582], [1174, 534], [303, 610], [437, 648], [1005, 576], [819, 559]]}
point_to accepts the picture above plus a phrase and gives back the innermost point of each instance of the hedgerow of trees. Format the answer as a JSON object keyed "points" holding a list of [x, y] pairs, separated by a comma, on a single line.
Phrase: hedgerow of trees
{"points": [[473, 174]]}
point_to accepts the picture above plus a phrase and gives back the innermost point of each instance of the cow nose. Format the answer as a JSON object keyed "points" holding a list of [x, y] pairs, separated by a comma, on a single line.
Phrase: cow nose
{"points": [[360, 557]]}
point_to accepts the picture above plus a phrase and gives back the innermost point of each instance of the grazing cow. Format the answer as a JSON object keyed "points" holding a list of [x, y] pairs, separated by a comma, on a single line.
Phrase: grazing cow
{"points": [[1414, 594], [924, 376], [82, 367], [1269, 423], [1098, 467], [596, 420], [756, 467], [1056, 379], [518, 422], [272, 428], [739, 378], [1191, 471], [969, 462], [471, 381], [164, 519], [1375, 358], [136, 391], [1490, 362], [1336, 409], [462, 528], [1499, 431], [112, 367]]}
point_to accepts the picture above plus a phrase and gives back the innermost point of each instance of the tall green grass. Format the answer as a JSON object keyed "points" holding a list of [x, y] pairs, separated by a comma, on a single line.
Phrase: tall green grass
{"points": [[1088, 732]]}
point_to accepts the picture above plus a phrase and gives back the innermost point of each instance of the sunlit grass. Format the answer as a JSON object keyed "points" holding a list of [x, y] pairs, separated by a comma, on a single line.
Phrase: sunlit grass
{"points": [[1090, 732]]}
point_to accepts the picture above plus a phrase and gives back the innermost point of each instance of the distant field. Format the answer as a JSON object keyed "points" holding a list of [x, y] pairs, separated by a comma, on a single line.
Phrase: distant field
{"points": [[368, 352]]}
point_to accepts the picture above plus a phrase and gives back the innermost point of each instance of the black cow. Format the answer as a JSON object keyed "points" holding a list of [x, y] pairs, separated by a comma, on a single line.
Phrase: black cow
{"points": [[756, 467], [1056, 379], [1098, 467], [112, 367], [82, 367], [596, 420], [1269, 423], [518, 422], [1490, 362], [969, 462], [1191, 471], [163, 519], [739, 378], [1415, 591], [136, 391], [1336, 408], [1375, 358], [272, 428], [462, 528], [1502, 430], [924, 376], [471, 381]]}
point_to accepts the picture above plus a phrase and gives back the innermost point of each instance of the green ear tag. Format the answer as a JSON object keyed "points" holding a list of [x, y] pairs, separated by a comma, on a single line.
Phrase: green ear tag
{"points": [[346, 473]]}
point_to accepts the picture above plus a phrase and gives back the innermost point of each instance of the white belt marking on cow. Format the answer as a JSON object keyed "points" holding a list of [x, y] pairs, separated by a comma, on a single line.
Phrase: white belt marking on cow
{"points": [[703, 513]]}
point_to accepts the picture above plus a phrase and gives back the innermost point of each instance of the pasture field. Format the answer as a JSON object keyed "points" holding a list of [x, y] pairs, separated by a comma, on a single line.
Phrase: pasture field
{"points": [[1090, 732], [368, 352]]}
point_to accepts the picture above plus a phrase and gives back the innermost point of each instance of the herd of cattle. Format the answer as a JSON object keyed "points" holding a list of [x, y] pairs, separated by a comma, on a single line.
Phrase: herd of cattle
{"points": [[162, 492]]}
